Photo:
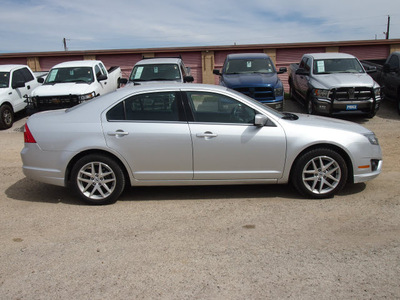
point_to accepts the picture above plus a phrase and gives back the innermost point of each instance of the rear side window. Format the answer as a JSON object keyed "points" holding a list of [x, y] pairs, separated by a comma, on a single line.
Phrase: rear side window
{"points": [[162, 106]]}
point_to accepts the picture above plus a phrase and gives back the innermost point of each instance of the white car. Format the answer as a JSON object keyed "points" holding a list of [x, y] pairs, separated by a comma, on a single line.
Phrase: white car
{"points": [[179, 134], [16, 83], [70, 83]]}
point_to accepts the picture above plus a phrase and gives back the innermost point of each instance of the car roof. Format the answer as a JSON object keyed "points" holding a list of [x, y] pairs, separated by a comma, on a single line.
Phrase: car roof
{"points": [[330, 55], [8, 68], [77, 63], [247, 56], [166, 60]]}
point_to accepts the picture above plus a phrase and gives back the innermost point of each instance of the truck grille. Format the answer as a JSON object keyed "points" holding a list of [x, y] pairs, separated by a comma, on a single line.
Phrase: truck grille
{"points": [[352, 93], [56, 102], [258, 93]]}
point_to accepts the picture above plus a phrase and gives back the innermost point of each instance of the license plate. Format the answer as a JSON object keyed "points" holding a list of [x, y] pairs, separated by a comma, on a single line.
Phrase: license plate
{"points": [[351, 107]]}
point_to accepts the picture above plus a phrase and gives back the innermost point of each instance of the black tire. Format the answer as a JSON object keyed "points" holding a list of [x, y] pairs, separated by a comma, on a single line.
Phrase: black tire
{"points": [[97, 179], [319, 173], [291, 93], [6, 116], [309, 105], [398, 103]]}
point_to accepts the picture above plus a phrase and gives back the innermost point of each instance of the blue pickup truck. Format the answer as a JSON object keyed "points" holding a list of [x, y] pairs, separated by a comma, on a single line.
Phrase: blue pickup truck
{"points": [[254, 75]]}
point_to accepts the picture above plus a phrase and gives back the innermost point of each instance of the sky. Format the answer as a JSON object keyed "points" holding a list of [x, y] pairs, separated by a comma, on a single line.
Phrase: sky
{"points": [[41, 26]]}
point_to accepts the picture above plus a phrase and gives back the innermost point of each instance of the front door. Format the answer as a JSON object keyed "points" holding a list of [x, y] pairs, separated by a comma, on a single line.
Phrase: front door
{"points": [[226, 143]]}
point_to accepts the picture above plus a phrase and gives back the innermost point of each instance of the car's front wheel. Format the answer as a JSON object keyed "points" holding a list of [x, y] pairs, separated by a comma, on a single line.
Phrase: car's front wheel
{"points": [[97, 179], [6, 116], [320, 173]]}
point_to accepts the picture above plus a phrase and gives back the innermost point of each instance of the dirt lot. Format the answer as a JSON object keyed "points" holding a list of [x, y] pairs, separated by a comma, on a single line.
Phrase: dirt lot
{"points": [[243, 242]]}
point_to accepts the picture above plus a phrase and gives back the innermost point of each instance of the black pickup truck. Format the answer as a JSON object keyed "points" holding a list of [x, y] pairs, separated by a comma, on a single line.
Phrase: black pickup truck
{"points": [[388, 76]]}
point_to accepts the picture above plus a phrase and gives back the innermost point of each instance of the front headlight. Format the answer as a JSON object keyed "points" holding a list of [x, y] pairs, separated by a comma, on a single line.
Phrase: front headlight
{"points": [[279, 92], [372, 138], [377, 92], [87, 96], [320, 93]]}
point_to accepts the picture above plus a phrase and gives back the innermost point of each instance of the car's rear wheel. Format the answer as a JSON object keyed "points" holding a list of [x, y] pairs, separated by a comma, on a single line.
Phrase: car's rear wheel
{"points": [[6, 116], [97, 179], [320, 173]]}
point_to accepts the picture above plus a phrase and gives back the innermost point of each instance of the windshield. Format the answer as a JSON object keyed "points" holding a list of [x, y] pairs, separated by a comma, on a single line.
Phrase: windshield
{"points": [[153, 72], [73, 74], [257, 65], [4, 79], [329, 66]]}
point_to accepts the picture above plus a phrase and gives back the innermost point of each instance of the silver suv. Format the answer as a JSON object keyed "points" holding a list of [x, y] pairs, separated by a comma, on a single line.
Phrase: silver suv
{"points": [[160, 69]]}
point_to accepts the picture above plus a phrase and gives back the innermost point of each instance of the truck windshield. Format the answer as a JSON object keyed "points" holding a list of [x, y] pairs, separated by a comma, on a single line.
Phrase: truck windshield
{"points": [[4, 79], [156, 72], [329, 66], [73, 74], [240, 66]]}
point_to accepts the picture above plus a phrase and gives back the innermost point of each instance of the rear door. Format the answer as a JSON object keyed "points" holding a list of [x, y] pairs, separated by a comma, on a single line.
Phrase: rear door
{"points": [[226, 143], [149, 130]]}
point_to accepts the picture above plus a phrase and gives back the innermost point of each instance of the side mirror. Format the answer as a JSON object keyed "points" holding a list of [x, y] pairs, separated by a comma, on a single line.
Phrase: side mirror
{"points": [[260, 120], [371, 69], [217, 72], [40, 80], [18, 84], [282, 70], [188, 79], [102, 77], [302, 71], [123, 81]]}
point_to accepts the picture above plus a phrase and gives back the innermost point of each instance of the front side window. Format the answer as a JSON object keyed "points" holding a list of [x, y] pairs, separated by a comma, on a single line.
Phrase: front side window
{"points": [[161, 106], [17, 76], [216, 108], [394, 63], [156, 72], [27, 75], [73, 74]]}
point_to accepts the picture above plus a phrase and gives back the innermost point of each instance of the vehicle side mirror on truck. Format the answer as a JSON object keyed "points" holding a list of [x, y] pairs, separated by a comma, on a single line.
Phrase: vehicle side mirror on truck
{"points": [[282, 70], [188, 79], [18, 84], [217, 72], [302, 71]]}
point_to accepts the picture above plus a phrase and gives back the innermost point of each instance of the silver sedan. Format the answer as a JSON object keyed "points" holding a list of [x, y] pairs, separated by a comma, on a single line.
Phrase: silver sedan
{"points": [[188, 134]]}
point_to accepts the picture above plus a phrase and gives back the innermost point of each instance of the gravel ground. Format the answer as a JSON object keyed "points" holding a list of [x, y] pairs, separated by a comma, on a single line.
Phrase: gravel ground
{"points": [[232, 242]]}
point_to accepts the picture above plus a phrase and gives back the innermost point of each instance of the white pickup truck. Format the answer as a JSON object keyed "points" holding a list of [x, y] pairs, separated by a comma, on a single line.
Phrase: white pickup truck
{"points": [[70, 83], [16, 83]]}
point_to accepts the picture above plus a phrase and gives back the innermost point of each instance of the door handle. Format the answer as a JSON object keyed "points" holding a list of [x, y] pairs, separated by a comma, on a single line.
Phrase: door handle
{"points": [[207, 134], [117, 133]]}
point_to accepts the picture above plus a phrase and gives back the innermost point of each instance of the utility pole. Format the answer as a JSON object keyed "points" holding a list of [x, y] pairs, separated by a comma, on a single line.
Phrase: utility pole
{"points": [[65, 44], [388, 28]]}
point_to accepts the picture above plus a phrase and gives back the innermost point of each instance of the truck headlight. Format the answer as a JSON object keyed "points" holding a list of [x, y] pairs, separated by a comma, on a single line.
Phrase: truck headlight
{"points": [[279, 92], [320, 93], [87, 96], [372, 138], [377, 92]]}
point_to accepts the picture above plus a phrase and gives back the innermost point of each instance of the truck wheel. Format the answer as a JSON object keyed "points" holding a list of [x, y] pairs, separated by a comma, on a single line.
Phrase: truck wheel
{"points": [[309, 106], [291, 94], [319, 173], [398, 103], [6, 116], [97, 179]]}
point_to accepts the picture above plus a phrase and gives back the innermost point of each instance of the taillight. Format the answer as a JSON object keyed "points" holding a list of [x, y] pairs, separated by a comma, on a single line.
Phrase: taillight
{"points": [[28, 137]]}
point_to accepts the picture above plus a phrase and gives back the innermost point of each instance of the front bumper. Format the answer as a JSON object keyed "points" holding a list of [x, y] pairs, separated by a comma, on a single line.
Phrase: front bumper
{"points": [[329, 106]]}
